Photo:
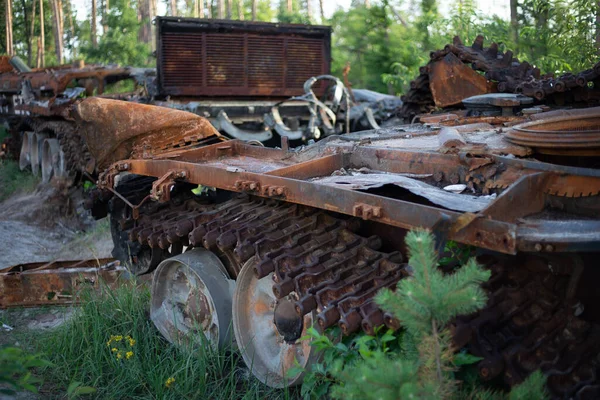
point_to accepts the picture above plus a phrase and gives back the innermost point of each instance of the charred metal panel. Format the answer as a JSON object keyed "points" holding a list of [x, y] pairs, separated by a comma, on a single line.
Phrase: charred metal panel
{"points": [[218, 58]]}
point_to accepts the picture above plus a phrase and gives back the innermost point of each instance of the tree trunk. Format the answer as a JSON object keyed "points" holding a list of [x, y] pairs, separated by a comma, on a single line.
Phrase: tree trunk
{"points": [[514, 22], [220, 9], [106, 8], [240, 9], [174, 8], [42, 44], [322, 11], [31, 33], [9, 30], [145, 20], [598, 26], [229, 7], [58, 42], [290, 7], [40, 50], [93, 23], [71, 25], [152, 30], [26, 31], [254, 6], [309, 10], [367, 4]]}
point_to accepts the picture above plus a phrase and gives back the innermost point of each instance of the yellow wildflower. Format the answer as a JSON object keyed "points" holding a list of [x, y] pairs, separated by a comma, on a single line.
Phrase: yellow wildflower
{"points": [[131, 342], [129, 354], [114, 350], [169, 382], [118, 338], [119, 355]]}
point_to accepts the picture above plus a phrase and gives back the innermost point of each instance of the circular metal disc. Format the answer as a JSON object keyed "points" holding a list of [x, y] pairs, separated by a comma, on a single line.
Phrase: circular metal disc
{"points": [[262, 346], [36, 152], [191, 299], [25, 155]]}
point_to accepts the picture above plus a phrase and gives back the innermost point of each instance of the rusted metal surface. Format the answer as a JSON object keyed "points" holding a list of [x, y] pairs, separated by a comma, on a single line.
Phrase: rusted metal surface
{"points": [[199, 57], [532, 322], [191, 298], [503, 73], [579, 134], [263, 321], [115, 130], [54, 283], [450, 71], [217, 166], [299, 237]]}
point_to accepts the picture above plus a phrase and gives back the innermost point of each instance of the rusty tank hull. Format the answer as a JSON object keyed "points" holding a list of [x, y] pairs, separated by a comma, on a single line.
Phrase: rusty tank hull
{"points": [[309, 235]]}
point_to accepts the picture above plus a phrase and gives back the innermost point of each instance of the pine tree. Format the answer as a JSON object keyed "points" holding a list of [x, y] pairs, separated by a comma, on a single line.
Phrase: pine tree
{"points": [[428, 300], [424, 303]]}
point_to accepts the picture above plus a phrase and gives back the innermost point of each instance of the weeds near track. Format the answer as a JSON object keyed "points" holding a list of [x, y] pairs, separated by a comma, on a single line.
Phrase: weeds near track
{"points": [[112, 345]]}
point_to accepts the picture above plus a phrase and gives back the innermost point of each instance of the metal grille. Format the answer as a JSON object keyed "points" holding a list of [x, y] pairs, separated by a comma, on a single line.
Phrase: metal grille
{"points": [[232, 58], [266, 61], [304, 59], [225, 60], [182, 59]]}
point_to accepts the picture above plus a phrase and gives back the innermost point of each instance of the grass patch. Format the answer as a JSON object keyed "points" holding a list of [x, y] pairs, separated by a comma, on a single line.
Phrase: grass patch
{"points": [[138, 363], [12, 179]]}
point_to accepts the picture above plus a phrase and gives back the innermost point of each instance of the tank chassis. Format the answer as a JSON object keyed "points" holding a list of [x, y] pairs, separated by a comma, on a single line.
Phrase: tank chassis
{"points": [[311, 234]]}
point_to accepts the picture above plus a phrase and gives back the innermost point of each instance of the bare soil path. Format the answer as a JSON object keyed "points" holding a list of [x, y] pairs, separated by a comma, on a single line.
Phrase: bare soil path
{"points": [[49, 225]]}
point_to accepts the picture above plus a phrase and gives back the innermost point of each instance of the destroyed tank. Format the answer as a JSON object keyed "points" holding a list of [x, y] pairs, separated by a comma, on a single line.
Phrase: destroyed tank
{"points": [[44, 108], [253, 245], [273, 241]]}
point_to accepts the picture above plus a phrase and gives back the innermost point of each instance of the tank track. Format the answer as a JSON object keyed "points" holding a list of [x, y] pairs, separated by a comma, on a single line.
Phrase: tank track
{"points": [[511, 76], [528, 324]]}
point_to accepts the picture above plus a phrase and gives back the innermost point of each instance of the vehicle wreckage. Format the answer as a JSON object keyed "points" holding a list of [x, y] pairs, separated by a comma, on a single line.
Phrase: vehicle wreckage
{"points": [[271, 241]]}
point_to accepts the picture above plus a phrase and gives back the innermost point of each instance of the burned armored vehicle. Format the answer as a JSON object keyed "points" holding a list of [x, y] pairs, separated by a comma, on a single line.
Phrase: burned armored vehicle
{"points": [[278, 240]]}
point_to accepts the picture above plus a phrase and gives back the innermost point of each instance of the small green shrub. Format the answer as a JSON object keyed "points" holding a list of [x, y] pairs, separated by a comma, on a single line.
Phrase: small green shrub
{"points": [[16, 370]]}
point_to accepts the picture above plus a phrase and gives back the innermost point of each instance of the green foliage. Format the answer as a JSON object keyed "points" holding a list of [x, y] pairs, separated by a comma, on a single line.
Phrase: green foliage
{"points": [[120, 45], [429, 298], [16, 370], [424, 303], [12, 179], [340, 352], [154, 369], [76, 389], [533, 388]]}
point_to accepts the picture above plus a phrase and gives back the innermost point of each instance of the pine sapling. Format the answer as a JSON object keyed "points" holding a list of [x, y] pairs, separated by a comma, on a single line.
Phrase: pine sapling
{"points": [[428, 300]]}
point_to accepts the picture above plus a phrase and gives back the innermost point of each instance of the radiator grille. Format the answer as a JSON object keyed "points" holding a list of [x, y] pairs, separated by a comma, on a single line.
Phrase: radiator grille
{"points": [[215, 62]]}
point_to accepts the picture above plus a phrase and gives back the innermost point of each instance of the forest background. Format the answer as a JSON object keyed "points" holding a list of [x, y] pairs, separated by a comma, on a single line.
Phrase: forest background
{"points": [[384, 42]]}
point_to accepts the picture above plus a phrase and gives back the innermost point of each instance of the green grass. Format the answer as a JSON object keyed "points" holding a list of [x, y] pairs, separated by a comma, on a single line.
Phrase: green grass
{"points": [[80, 353], [12, 179]]}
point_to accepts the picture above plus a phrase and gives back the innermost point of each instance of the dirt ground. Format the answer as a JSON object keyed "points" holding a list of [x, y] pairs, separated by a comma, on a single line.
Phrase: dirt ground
{"points": [[47, 225]]}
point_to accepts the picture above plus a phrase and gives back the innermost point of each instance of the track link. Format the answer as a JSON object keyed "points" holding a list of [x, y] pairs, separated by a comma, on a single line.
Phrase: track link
{"points": [[511, 76], [528, 324]]}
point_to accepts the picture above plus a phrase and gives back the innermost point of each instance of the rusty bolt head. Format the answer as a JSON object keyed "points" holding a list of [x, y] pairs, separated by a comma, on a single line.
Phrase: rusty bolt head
{"points": [[252, 186], [538, 247], [279, 191], [181, 174], [549, 248]]}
